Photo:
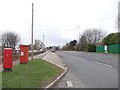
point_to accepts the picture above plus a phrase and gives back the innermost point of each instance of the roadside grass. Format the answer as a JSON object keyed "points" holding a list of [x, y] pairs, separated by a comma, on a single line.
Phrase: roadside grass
{"points": [[35, 74], [0, 51], [0, 55], [0, 80], [0, 59]]}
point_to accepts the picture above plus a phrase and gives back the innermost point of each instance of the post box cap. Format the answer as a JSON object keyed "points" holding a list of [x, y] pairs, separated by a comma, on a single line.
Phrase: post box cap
{"points": [[8, 49], [21, 45]]}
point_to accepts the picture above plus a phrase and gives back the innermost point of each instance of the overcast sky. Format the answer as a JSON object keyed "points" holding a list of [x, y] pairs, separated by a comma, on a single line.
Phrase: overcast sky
{"points": [[58, 20]]}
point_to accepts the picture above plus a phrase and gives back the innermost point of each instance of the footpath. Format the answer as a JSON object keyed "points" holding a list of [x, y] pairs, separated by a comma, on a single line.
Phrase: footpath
{"points": [[56, 60]]}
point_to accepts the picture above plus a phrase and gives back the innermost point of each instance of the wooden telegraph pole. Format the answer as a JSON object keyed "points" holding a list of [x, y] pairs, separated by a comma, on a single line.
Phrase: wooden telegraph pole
{"points": [[43, 38], [32, 33]]}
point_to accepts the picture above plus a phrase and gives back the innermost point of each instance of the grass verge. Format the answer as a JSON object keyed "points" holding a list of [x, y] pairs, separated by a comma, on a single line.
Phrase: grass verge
{"points": [[35, 74], [0, 80]]}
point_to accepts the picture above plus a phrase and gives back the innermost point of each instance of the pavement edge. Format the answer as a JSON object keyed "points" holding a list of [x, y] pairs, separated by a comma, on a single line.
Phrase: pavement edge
{"points": [[44, 55], [52, 84]]}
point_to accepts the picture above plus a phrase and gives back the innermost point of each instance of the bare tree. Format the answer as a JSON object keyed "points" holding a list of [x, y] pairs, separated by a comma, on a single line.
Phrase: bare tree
{"points": [[83, 43], [118, 22], [66, 46], [9, 39], [94, 35]]}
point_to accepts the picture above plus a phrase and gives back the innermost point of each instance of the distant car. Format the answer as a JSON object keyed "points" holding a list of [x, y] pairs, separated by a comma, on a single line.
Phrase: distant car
{"points": [[53, 50]]}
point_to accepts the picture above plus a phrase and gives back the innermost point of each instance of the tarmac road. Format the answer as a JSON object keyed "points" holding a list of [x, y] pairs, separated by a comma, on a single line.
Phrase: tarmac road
{"points": [[89, 70]]}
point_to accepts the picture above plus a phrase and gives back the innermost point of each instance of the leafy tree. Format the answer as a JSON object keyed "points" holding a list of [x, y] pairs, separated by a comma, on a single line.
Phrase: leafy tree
{"points": [[112, 38], [73, 43], [70, 46]]}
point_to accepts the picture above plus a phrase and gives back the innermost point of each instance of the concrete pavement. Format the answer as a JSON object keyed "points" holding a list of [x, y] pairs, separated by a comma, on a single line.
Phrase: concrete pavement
{"points": [[54, 59]]}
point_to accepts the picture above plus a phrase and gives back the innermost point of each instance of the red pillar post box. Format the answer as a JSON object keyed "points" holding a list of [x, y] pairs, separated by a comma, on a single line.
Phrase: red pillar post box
{"points": [[7, 58], [23, 54]]}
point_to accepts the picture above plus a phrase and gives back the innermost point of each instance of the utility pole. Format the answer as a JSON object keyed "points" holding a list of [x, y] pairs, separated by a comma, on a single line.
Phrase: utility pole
{"points": [[79, 31], [79, 37], [43, 38], [43, 43], [32, 33]]}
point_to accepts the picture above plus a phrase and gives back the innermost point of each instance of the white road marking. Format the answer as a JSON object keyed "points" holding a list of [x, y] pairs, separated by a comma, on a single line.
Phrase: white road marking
{"points": [[69, 84], [104, 64], [45, 55]]}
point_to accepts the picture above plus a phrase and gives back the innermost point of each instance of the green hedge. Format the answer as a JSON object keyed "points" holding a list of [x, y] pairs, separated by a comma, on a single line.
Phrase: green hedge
{"points": [[100, 49], [114, 48]]}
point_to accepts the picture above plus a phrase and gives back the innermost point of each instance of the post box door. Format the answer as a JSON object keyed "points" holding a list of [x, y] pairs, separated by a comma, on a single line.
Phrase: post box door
{"points": [[7, 59], [23, 53]]}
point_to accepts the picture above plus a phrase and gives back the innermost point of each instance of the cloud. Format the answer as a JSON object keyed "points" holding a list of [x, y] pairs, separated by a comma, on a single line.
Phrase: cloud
{"points": [[58, 20]]}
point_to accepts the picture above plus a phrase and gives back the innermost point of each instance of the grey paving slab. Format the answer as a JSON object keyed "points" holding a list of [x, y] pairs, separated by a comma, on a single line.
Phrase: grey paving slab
{"points": [[55, 59]]}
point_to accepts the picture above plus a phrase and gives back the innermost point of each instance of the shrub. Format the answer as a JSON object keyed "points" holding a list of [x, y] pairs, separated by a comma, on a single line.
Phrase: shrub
{"points": [[91, 48]]}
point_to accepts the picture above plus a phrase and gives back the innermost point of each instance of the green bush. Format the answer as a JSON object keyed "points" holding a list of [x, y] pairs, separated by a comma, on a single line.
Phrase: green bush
{"points": [[91, 48]]}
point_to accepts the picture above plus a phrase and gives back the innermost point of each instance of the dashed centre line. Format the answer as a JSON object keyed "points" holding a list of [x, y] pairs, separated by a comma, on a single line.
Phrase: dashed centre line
{"points": [[104, 64]]}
